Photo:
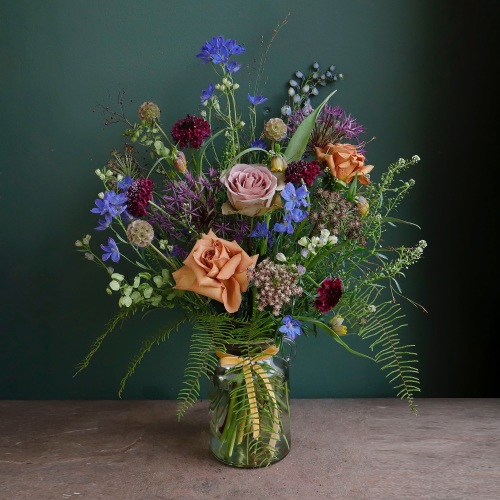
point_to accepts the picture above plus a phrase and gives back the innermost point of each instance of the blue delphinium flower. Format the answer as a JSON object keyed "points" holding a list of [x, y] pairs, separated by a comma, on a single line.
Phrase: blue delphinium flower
{"points": [[291, 327], [125, 183], [111, 251], [256, 99], [258, 143], [206, 94], [112, 205], [260, 231], [295, 197], [218, 50], [232, 66]]}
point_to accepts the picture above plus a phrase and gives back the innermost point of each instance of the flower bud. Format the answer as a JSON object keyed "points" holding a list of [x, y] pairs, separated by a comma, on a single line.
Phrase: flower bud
{"points": [[286, 110], [149, 112], [337, 326], [363, 205], [278, 164], [180, 162], [281, 257], [236, 86]]}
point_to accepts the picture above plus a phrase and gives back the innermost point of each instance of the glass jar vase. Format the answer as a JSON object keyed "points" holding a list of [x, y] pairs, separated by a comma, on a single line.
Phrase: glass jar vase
{"points": [[249, 404]]}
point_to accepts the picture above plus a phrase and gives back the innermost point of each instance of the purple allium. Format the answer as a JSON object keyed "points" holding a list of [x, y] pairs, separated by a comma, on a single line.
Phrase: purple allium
{"points": [[206, 94], [329, 294], [191, 131], [291, 327], [218, 50], [139, 194], [111, 251], [332, 125], [257, 99], [302, 171], [191, 204]]}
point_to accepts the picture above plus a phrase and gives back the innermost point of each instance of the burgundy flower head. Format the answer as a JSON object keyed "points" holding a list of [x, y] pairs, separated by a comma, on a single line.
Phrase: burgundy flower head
{"points": [[139, 195], [191, 131], [329, 294], [302, 170]]}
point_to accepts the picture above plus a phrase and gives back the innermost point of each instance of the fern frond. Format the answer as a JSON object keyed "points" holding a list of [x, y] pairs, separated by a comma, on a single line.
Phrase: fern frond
{"points": [[161, 336], [120, 317], [381, 325]]}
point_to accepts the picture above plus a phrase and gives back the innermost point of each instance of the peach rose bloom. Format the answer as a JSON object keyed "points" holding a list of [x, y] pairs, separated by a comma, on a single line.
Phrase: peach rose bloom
{"points": [[344, 162], [216, 268], [252, 190]]}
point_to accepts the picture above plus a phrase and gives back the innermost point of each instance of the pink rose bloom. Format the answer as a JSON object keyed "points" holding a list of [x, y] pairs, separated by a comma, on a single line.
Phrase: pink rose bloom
{"points": [[252, 190]]}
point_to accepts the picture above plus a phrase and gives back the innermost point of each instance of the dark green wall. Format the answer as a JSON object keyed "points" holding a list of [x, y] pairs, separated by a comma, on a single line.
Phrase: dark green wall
{"points": [[413, 77]]}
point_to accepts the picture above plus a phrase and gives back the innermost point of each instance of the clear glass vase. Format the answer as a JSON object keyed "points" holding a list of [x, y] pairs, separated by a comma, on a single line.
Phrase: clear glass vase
{"points": [[249, 410]]}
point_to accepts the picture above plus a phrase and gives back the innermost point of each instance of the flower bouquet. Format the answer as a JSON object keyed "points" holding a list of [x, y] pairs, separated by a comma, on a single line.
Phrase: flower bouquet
{"points": [[258, 231]]}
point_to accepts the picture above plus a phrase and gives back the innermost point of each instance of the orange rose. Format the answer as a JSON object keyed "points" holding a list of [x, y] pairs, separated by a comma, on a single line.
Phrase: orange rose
{"points": [[344, 162], [216, 268]]}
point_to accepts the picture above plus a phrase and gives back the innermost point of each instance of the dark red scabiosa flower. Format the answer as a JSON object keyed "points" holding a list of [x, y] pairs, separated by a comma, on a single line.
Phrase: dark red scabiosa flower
{"points": [[139, 194], [190, 131], [302, 170], [329, 294]]}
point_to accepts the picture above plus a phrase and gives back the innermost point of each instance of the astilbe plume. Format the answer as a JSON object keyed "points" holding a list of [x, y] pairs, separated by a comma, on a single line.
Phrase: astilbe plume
{"points": [[191, 205]]}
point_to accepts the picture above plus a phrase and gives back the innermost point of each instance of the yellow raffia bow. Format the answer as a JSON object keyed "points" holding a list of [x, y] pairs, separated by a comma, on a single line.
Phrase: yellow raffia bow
{"points": [[248, 364]]}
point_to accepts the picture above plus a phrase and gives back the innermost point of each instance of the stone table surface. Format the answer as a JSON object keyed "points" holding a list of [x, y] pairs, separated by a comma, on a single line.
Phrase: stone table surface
{"points": [[341, 449]]}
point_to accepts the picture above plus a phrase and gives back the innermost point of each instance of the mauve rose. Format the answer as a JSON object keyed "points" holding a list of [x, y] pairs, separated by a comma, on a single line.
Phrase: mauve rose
{"points": [[252, 190], [344, 162], [216, 268]]}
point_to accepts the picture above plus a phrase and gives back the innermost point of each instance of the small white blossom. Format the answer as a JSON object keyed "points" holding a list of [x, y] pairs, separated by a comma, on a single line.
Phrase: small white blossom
{"points": [[281, 257]]}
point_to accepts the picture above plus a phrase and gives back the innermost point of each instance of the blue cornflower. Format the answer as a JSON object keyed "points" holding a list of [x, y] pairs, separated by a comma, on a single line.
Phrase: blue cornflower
{"points": [[291, 327], [111, 251], [261, 230], [206, 94], [232, 66], [295, 197], [258, 143], [256, 99]]}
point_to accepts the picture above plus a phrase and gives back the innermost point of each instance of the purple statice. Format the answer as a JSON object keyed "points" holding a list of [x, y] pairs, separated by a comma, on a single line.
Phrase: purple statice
{"points": [[219, 50], [190, 207], [329, 294], [110, 251], [291, 327], [111, 205]]}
